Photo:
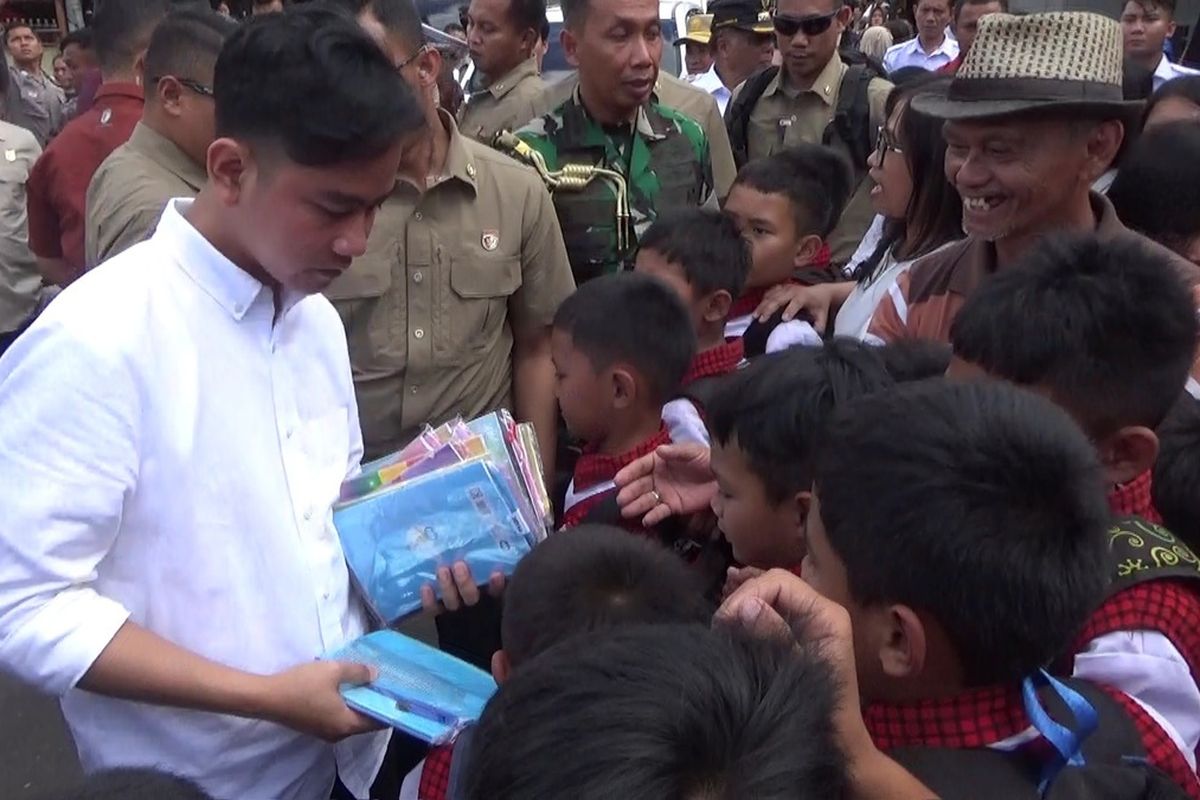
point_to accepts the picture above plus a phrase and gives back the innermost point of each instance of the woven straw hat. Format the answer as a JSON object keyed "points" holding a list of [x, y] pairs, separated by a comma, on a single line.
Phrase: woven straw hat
{"points": [[1068, 60]]}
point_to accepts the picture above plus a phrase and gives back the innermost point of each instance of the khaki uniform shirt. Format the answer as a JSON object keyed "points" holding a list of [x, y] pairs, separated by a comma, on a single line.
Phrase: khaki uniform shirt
{"points": [[128, 193], [36, 104], [688, 100], [784, 117], [506, 105], [431, 309], [21, 288]]}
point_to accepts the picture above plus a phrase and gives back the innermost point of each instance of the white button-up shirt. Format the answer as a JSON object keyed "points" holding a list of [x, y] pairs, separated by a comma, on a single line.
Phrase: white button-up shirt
{"points": [[1166, 71], [711, 83], [170, 456], [911, 54]]}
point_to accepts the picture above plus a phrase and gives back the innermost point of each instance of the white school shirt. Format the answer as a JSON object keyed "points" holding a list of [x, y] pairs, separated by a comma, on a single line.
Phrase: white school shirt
{"points": [[911, 54], [170, 457], [1167, 71], [711, 83]]}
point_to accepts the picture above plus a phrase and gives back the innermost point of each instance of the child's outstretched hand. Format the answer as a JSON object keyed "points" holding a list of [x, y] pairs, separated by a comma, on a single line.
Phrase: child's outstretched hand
{"points": [[458, 589], [674, 479]]}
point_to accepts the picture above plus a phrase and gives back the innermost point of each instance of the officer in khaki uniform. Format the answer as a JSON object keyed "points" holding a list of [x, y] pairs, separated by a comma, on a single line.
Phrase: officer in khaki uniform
{"points": [[166, 155], [502, 35], [799, 104], [22, 293], [449, 311]]}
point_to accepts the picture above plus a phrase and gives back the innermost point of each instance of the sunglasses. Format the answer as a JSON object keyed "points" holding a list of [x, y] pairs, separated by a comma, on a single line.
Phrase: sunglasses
{"points": [[812, 26], [187, 83]]}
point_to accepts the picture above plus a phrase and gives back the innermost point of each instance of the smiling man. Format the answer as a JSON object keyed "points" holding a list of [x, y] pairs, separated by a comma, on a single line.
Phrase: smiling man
{"points": [[503, 35], [1022, 150]]}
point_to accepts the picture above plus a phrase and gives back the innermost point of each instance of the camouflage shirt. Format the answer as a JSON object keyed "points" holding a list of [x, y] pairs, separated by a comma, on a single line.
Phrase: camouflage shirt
{"points": [[663, 157]]}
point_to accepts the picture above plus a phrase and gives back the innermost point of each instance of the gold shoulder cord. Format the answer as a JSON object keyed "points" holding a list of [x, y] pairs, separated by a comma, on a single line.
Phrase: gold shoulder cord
{"points": [[572, 178]]}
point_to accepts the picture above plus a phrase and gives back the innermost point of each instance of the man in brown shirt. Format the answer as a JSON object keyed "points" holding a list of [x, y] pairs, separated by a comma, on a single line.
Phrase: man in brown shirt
{"points": [[449, 311], [502, 35], [165, 157], [1023, 149]]}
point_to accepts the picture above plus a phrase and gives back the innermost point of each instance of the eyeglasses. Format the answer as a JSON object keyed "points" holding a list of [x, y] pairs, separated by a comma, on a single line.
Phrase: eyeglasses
{"points": [[420, 52], [812, 26], [187, 83], [886, 143]]}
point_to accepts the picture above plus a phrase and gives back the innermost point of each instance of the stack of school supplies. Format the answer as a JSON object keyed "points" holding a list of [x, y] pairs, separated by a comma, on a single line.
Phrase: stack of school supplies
{"points": [[420, 690], [468, 492]]}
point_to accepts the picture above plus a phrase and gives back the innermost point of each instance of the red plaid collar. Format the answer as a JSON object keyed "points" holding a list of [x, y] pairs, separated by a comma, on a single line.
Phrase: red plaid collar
{"points": [[716, 361], [1133, 499], [751, 298], [977, 718], [593, 468]]}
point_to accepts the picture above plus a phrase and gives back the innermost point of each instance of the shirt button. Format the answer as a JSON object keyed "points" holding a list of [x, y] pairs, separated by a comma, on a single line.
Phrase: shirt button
{"points": [[288, 433], [417, 216], [414, 389], [308, 512], [325, 596], [418, 277], [419, 333]]}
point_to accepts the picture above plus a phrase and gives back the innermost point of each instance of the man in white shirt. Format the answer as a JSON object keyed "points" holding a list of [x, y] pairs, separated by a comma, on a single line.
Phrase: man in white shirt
{"points": [[743, 41], [1147, 24], [932, 49], [176, 427]]}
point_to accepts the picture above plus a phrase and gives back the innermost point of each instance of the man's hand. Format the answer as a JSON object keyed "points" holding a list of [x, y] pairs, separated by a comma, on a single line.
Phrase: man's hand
{"points": [[674, 479], [819, 302], [307, 699], [735, 577], [458, 589]]}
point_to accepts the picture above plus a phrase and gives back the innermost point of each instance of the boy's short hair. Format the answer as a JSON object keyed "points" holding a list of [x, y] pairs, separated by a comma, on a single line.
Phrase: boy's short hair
{"points": [[122, 29], [632, 318], [591, 578], [186, 44], [977, 503], [310, 81], [1162, 5], [777, 407], [136, 784], [1176, 477], [706, 245], [1108, 328], [663, 711], [817, 181], [908, 360]]}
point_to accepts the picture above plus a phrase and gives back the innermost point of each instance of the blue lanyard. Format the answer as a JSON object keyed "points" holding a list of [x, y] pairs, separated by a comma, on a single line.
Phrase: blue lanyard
{"points": [[1067, 742]]}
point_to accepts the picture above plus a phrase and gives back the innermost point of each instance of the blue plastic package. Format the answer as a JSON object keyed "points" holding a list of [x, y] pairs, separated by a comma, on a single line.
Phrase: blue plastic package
{"points": [[396, 538], [420, 690]]}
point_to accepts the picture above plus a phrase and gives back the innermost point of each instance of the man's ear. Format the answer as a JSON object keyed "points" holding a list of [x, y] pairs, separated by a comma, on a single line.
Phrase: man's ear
{"points": [[624, 386], [170, 95], [570, 45], [807, 250], [229, 163], [902, 643], [429, 67], [501, 669], [529, 40], [139, 69], [717, 305], [1103, 144], [1128, 453]]}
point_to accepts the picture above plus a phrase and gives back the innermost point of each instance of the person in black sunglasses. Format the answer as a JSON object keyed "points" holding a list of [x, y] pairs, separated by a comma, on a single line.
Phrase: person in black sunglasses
{"points": [[814, 97]]}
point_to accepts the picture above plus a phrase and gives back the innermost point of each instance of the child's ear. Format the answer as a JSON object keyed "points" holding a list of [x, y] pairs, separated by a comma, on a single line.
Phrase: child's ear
{"points": [[501, 669], [807, 250], [717, 305], [624, 387], [1128, 453], [902, 643], [803, 504]]}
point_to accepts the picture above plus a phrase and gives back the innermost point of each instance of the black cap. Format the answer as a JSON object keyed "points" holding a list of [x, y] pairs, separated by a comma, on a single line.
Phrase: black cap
{"points": [[746, 15]]}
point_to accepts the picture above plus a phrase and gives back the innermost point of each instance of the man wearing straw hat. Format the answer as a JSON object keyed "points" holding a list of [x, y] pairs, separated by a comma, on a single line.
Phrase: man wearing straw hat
{"points": [[697, 56], [1034, 115]]}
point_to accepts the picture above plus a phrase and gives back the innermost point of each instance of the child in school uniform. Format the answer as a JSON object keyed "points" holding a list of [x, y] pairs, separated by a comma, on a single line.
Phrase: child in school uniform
{"points": [[1175, 488], [701, 255], [1108, 332], [786, 205], [963, 527], [621, 345]]}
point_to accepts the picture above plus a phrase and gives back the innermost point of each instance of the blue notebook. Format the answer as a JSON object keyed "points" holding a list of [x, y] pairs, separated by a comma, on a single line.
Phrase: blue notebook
{"points": [[420, 690], [396, 538]]}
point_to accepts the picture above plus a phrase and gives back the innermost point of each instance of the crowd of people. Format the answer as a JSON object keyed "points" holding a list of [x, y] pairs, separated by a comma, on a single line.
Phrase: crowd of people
{"points": [[863, 369]]}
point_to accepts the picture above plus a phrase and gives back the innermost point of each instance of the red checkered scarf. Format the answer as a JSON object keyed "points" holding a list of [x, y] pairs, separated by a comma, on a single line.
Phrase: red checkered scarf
{"points": [[751, 298], [716, 361], [435, 773], [1161, 752], [594, 468], [1134, 499]]}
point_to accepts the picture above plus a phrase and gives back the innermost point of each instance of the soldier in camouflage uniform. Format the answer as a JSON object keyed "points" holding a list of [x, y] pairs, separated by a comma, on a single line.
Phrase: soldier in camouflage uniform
{"points": [[612, 121]]}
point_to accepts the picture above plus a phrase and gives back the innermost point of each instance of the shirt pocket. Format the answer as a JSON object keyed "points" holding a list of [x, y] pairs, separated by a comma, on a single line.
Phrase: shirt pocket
{"points": [[474, 310], [373, 310]]}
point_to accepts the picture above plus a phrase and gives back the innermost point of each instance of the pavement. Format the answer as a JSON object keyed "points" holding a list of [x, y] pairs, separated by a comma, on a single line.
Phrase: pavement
{"points": [[37, 755]]}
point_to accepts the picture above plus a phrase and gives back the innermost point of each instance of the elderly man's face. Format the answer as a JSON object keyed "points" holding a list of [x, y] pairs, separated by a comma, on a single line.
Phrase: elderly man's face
{"points": [[1019, 176]]}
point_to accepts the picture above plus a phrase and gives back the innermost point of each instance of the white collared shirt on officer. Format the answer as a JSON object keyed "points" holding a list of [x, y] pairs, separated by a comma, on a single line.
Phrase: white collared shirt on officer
{"points": [[912, 54]]}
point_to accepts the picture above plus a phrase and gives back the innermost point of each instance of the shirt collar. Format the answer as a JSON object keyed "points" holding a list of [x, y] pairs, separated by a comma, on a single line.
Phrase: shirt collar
{"points": [[593, 468], [119, 89], [824, 86], [649, 123], [162, 151], [948, 47], [710, 81], [975, 718], [232, 287], [508, 82], [1134, 499], [459, 163]]}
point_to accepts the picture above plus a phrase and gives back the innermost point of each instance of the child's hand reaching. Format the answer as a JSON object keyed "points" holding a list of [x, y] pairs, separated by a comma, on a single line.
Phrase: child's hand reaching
{"points": [[458, 589]]}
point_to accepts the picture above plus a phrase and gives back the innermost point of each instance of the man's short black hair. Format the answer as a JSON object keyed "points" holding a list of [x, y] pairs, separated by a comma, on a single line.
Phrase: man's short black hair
{"points": [[706, 245], [817, 180], [186, 44], [959, 5], [663, 711], [82, 38], [399, 18], [16, 26], [123, 29], [1176, 478], [1163, 5], [1108, 328], [777, 407], [574, 13], [977, 503], [591, 578], [310, 81], [1157, 190], [528, 15], [635, 319], [908, 360], [136, 784]]}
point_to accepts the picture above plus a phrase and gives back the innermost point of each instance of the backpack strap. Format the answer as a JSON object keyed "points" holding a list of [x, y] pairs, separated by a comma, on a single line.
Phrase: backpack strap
{"points": [[737, 115], [851, 123], [1142, 551]]}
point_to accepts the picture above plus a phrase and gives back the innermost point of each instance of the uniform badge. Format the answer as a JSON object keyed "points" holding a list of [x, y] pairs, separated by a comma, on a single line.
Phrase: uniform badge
{"points": [[490, 240], [106, 116], [10, 155]]}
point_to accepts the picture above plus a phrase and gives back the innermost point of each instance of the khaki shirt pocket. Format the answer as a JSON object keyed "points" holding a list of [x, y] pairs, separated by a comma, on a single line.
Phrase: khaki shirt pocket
{"points": [[473, 313], [373, 316]]}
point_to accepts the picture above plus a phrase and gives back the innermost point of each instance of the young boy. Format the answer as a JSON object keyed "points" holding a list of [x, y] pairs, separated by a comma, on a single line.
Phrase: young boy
{"points": [[963, 527], [701, 255], [591, 578], [765, 422], [621, 345], [1108, 332], [785, 205]]}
